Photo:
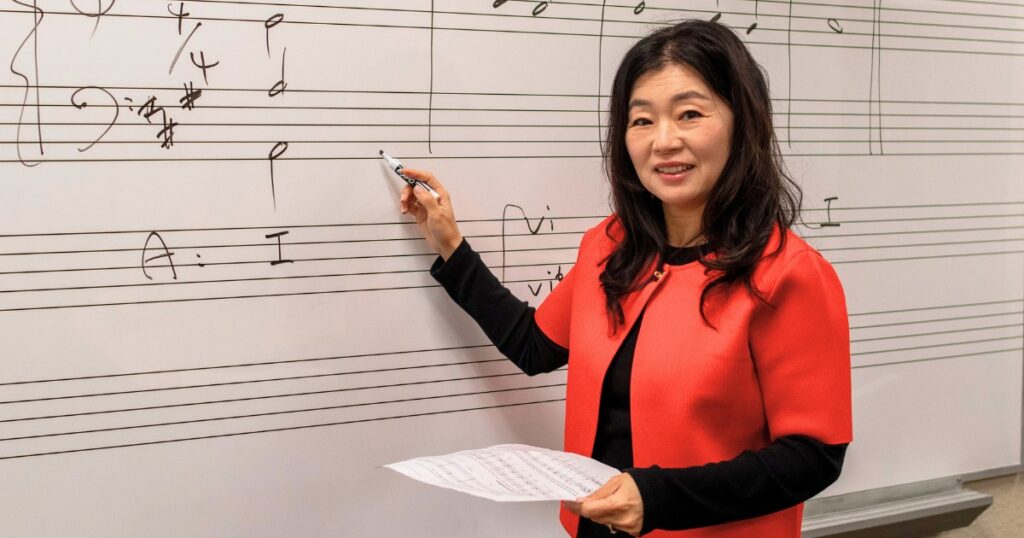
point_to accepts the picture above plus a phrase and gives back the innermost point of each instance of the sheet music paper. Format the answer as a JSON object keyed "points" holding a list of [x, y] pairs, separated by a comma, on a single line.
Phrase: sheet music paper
{"points": [[511, 473]]}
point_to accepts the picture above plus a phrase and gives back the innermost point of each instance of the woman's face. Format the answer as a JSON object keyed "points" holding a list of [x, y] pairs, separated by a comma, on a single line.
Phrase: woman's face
{"points": [[678, 136]]}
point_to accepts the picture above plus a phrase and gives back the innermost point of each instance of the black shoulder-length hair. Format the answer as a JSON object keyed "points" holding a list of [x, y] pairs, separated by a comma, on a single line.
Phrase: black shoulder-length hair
{"points": [[753, 195]]}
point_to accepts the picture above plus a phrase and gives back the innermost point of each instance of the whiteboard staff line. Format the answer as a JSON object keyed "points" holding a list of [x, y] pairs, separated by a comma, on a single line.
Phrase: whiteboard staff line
{"points": [[556, 218], [905, 232], [889, 129], [586, 125], [401, 223], [494, 220], [902, 22], [276, 413], [289, 278], [917, 258], [293, 428], [236, 297], [582, 96], [911, 10], [566, 125], [889, 154], [947, 331], [483, 346], [319, 259], [207, 106], [415, 287], [916, 245], [569, 264], [582, 34], [912, 206], [641, 24], [271, 380], [349, 241], [892, 129], [929, 359], [267, 261], [931, 346], [652, 8], [630, 7], [417, 254], [264, 397], [832, 5], [290, 428], [483, 251], [279, 413], [936, 320], [333, 158], [294, 260], [180, 142], [269, 278], [248, 365], [937, 307], [289, 243], [271, 396], [937, 217], [894, 36], [831, 127]]}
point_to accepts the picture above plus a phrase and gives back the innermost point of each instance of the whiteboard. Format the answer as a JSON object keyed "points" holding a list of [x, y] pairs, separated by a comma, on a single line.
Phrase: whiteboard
{"points": [[216, 323]]}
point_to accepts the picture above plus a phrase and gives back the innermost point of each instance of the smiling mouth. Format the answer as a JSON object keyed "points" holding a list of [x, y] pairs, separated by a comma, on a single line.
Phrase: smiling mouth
{"points": [[674, 169]]}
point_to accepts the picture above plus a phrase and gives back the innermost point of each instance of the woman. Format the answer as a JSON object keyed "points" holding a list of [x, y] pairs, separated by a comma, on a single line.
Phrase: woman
{"points": [[707, 345]]}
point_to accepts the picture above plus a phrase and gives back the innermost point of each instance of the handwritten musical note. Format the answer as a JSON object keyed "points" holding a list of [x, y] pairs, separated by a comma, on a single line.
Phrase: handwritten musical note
{"points": [[753, 25], [102, 8], [81, 104], [276, 152], [272, 22]]}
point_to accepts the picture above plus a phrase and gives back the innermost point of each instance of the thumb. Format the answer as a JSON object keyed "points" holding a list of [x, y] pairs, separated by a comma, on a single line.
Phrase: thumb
{"points": [[607, 489]]}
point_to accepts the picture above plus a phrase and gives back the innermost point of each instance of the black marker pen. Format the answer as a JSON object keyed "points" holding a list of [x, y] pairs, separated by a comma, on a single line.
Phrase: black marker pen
{"points": [[397, 166]]}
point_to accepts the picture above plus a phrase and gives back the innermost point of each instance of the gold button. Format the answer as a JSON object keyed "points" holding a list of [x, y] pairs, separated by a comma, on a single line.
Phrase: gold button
{"points": [[658, 275]]}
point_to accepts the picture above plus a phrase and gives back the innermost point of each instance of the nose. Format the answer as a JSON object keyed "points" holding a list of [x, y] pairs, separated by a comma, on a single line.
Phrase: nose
{"points": [[667, 138]]}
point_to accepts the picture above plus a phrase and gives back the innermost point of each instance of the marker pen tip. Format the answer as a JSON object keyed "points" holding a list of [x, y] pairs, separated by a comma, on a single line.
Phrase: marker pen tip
{"points": [[382, 152]]}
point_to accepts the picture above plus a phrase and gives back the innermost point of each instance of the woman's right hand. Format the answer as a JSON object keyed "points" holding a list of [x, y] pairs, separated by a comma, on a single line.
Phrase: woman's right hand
{"points": [[435, 217]]}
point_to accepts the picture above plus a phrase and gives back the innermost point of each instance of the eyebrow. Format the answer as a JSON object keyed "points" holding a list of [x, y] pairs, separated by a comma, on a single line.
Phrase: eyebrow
{"points": [[682, 96]]}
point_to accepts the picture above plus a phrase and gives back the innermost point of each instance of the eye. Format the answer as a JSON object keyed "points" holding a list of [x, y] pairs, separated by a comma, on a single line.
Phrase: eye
{"points": [[691, 115], [637, 122]]}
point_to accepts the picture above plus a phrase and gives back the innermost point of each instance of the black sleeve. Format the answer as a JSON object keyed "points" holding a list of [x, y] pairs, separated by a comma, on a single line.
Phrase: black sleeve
{"points": [[507, 321], [789, 471]]}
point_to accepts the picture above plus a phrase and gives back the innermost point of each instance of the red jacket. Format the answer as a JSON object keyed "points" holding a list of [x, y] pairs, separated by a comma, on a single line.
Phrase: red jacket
{"points": [[701, 394]]}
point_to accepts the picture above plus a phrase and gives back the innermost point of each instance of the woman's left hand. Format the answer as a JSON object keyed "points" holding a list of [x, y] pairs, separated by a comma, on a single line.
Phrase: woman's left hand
{"points": [[617, 504]]}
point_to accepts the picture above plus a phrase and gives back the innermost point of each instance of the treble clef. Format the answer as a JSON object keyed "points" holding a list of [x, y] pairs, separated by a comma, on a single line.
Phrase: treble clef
{"points": [[100, 11]]}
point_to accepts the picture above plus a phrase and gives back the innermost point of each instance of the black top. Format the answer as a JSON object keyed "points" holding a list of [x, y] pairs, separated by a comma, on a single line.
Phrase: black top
{"points": [[788, 471]]}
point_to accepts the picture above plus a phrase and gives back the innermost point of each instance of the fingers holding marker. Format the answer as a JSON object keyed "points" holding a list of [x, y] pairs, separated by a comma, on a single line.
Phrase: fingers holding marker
{"points": [[426, 199], [398, 168], [434, 186], [403, 199], [407, 201]]}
